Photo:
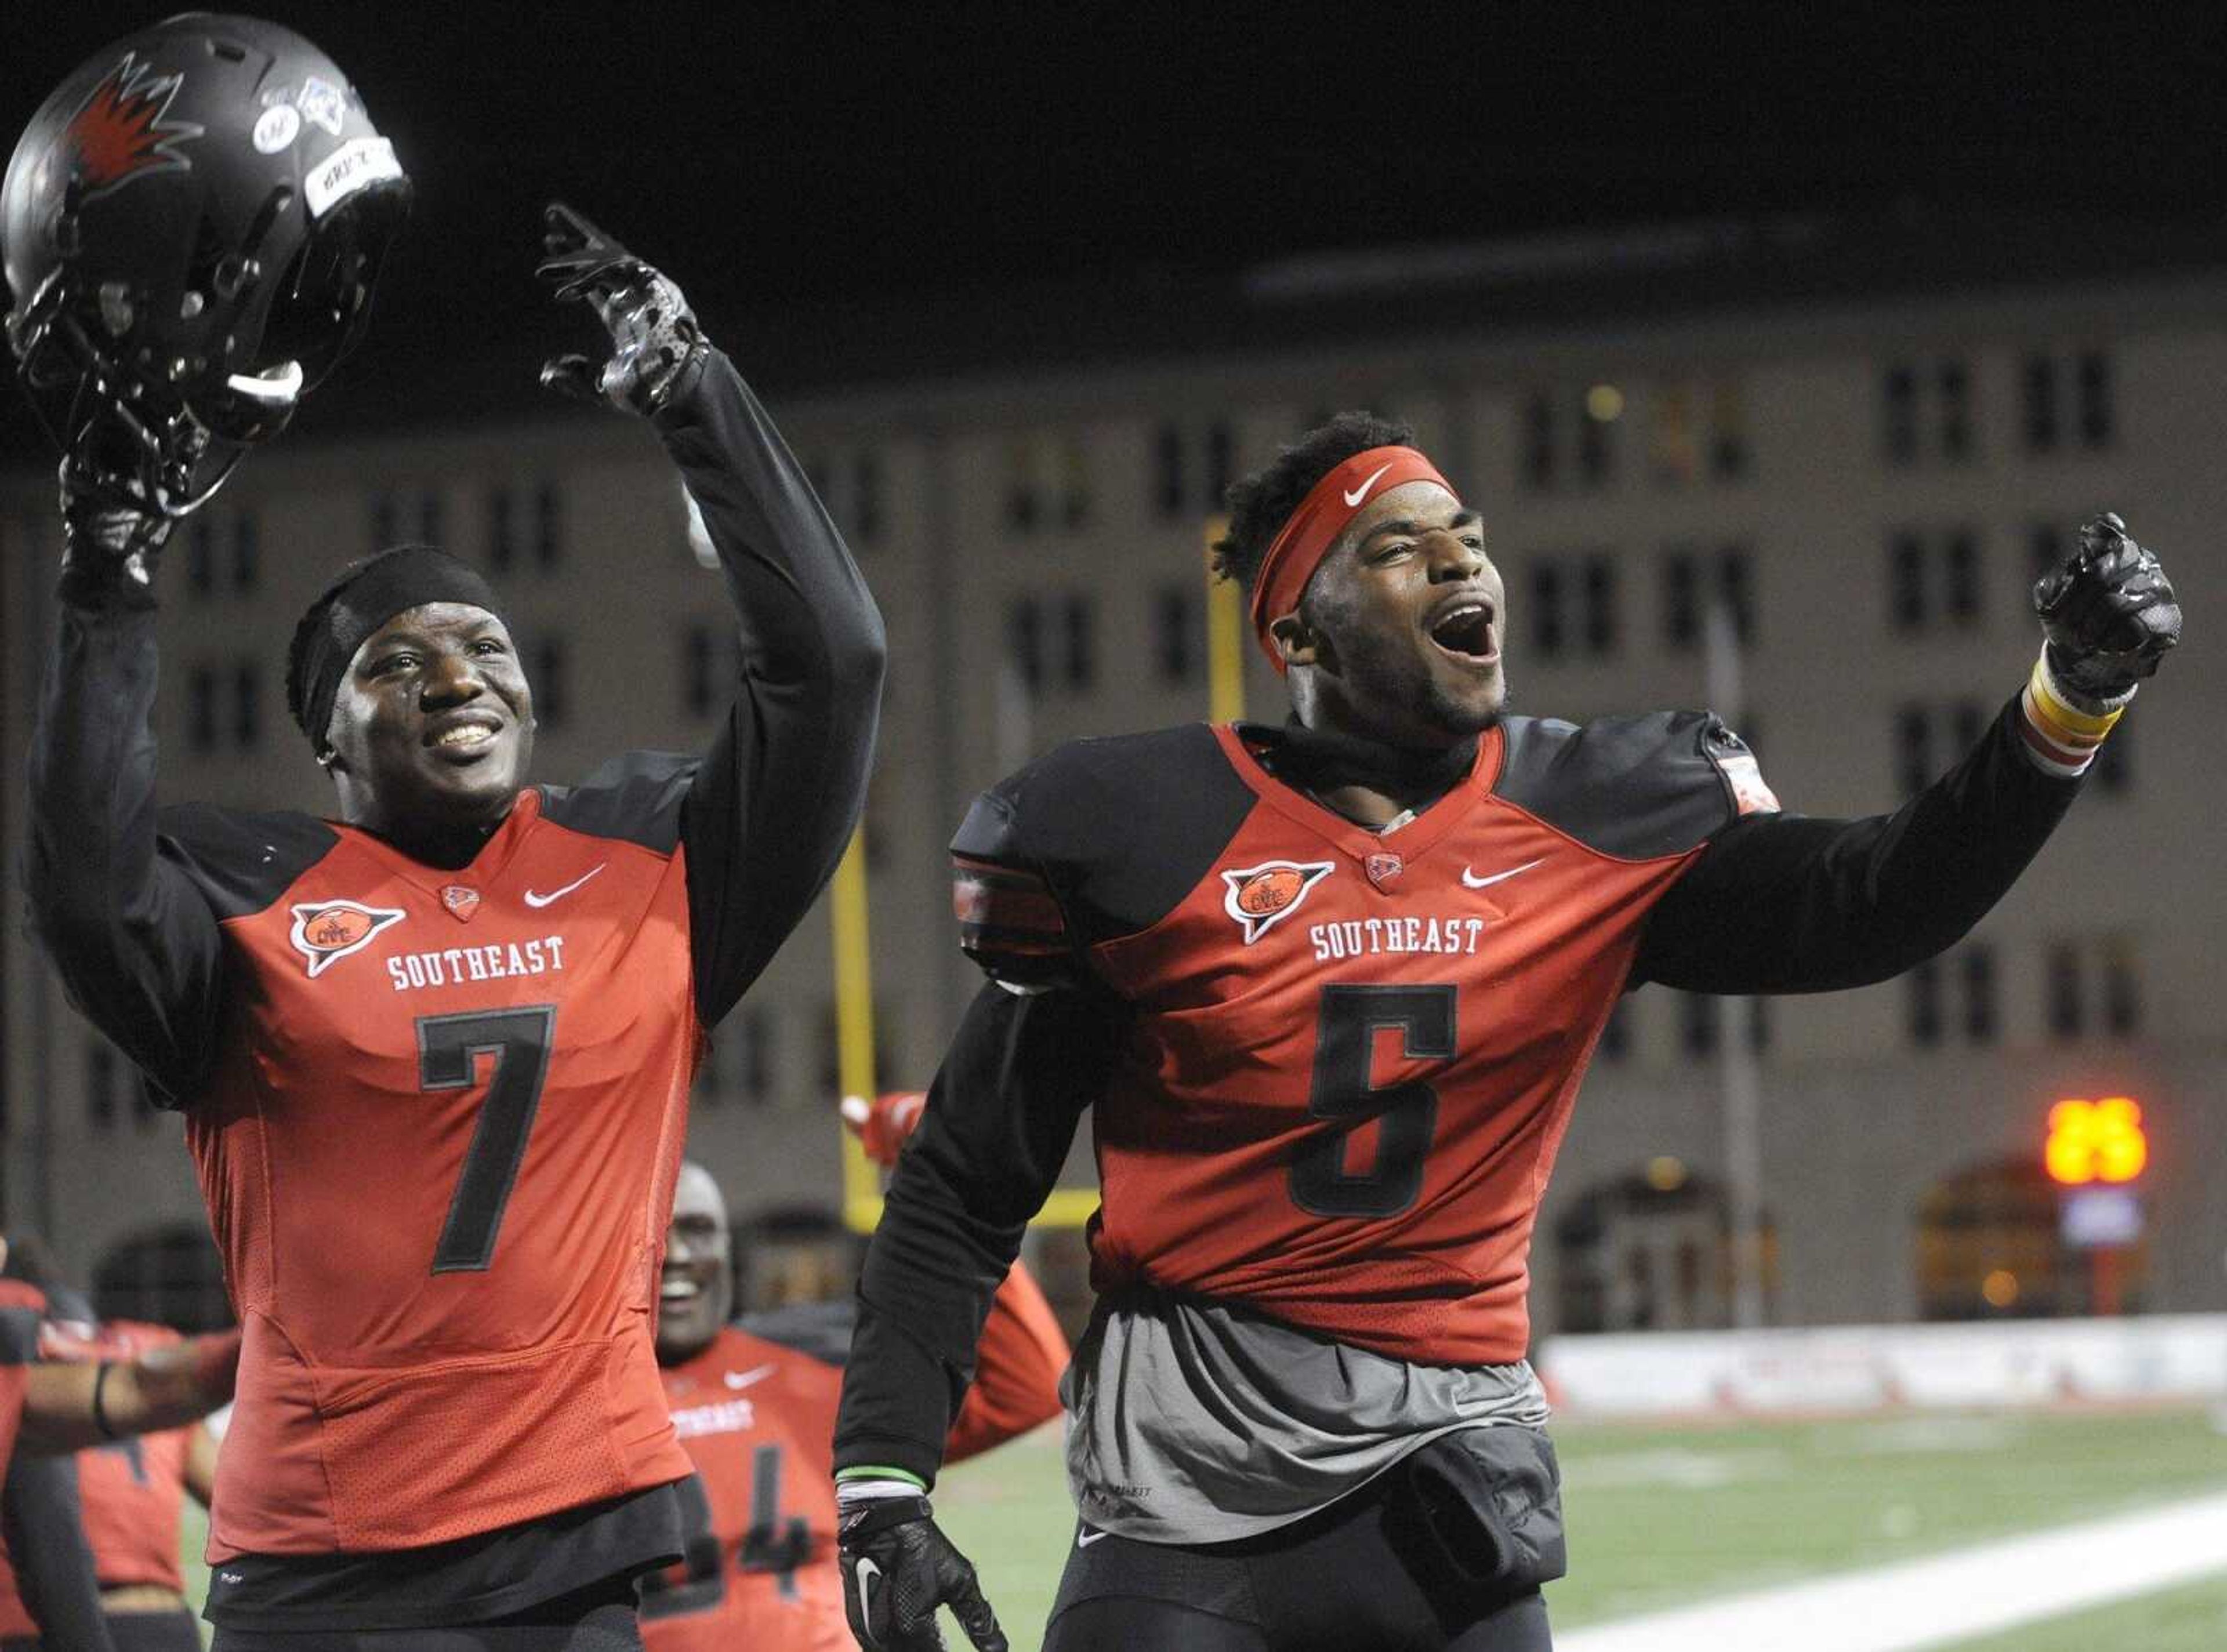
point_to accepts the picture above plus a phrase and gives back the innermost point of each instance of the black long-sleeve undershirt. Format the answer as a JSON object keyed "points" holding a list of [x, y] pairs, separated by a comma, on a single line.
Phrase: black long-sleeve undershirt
{"points": [[1772, 904]]}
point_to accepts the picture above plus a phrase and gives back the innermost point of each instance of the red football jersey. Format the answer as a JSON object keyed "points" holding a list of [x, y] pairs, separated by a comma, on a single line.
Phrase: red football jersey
{"points": [[757, 1416], [1350, 1056], [129, 1491], [448, 1113], [15, 1620]]}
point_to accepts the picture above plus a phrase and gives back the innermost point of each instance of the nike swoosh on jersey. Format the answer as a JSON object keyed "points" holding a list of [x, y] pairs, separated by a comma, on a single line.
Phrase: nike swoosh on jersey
{"points": [[1472, 881], [1361, 493], [533, 899], [1084, 1540], [743, 1379]]}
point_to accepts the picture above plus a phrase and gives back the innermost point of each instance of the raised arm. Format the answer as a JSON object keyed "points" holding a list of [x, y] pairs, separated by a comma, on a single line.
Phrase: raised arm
{"points": [[134, 942], [776, 797], [1787, 903]]}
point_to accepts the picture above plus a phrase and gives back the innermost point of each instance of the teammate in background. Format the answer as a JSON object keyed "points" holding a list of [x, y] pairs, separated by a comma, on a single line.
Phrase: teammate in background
{"points": [[1331, 987], [48, 1586], [434, 1054], [131, 1493], [48, 1411], [754, 1404]]}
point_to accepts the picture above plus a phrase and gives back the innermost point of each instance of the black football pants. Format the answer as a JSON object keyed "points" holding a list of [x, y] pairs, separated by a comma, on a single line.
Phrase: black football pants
{"points": [[600, 1619], [1347, 1579]]}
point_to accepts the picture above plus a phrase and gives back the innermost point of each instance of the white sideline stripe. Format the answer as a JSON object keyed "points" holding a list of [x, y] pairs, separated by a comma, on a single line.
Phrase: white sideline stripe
{"points": [[1947, 1598]]}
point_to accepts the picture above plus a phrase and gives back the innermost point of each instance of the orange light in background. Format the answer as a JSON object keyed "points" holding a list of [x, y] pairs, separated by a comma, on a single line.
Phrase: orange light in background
{"points": [[2095, 1141], [2001, 1287]]}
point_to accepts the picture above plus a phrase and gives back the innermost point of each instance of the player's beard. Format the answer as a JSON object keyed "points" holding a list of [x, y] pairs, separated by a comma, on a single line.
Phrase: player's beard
{"points": [[1397, 675]]}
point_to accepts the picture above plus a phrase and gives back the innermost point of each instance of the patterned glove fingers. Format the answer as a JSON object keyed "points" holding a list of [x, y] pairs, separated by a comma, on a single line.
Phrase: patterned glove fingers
{"points": [[655, 340], [897, 1569]]}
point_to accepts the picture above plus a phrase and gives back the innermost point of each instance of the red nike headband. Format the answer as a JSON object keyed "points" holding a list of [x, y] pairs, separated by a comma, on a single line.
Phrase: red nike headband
{"points": [[1326, 511]]}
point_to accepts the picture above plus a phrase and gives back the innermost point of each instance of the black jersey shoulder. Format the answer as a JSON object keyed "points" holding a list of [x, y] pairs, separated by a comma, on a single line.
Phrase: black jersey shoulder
{"points": [[1120, 828], [1636, 787], [241, 861], [635, 798], [820, 1330]]}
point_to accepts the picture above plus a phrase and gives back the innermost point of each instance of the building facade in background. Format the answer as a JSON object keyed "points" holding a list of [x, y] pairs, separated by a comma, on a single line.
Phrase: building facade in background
{"points": [[1864, 486]]}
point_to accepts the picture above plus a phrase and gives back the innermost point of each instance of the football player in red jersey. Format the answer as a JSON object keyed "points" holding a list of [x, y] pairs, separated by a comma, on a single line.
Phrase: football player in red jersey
{"points": [[48, 1589], [455, 1024], [754, 1404], [1329, 989], [131, 1493]]}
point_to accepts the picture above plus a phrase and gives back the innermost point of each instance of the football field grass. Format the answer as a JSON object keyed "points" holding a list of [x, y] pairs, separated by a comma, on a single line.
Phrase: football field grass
{"points": [[1660, 1517]]}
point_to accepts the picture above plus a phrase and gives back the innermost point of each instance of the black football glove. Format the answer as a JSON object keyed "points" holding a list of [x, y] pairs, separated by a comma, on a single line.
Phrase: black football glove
{"points": [[897, 1569], [2108, 613], [109, 549], [657, 349]]}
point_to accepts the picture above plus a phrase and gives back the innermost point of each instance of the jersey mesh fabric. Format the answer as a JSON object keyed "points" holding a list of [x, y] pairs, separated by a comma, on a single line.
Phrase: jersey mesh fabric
{"points": [[476, 1353]]}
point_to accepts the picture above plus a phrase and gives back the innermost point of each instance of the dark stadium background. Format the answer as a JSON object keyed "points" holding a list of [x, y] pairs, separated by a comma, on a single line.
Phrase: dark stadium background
{"points": [[850, 161]]}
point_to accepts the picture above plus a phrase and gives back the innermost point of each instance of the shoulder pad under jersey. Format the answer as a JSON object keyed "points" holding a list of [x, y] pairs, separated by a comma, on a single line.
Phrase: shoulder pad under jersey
{"points": [[820, 1330], [635, 798], [1636, 788], [1097, 839], [241, 861]]}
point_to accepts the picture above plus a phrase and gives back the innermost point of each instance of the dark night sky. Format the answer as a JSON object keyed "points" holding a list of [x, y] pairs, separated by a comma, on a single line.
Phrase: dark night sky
{"points": [[770, 156]]}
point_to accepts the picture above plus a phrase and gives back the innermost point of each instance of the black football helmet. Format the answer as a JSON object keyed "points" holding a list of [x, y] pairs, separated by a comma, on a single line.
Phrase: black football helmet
{"points": [[192, 226]]}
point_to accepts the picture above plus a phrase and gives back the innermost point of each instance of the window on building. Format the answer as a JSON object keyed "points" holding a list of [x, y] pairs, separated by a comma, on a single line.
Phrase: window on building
{"points": [[101, 1083], [1178, 632], [1599, 588], [1596, 440], [1080, 618], [1023, 506], [1913, 747], [1615, 1033], [1977, 965], [2095, 410], [1073, 484], [1922, 1004], [1221, 463], [1736, 591], [2122, 998], [1539, 442], [1025, 642], [2045, 549], [1905, 581], [1682, 598], [1960, 568], [166, 1276], [548, 524], [1545, 607], [201, 708], [1758, 1022], [246, 551], [1729, 442], [2067, 1009], [1673, 450], [1898, 405], [501, 530], [201, 553], [1699, 1021], [2038, 388], [551, 690], [711, 668], [1953, 380], [246, 704], [1968, 723], [1168, 470]]}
